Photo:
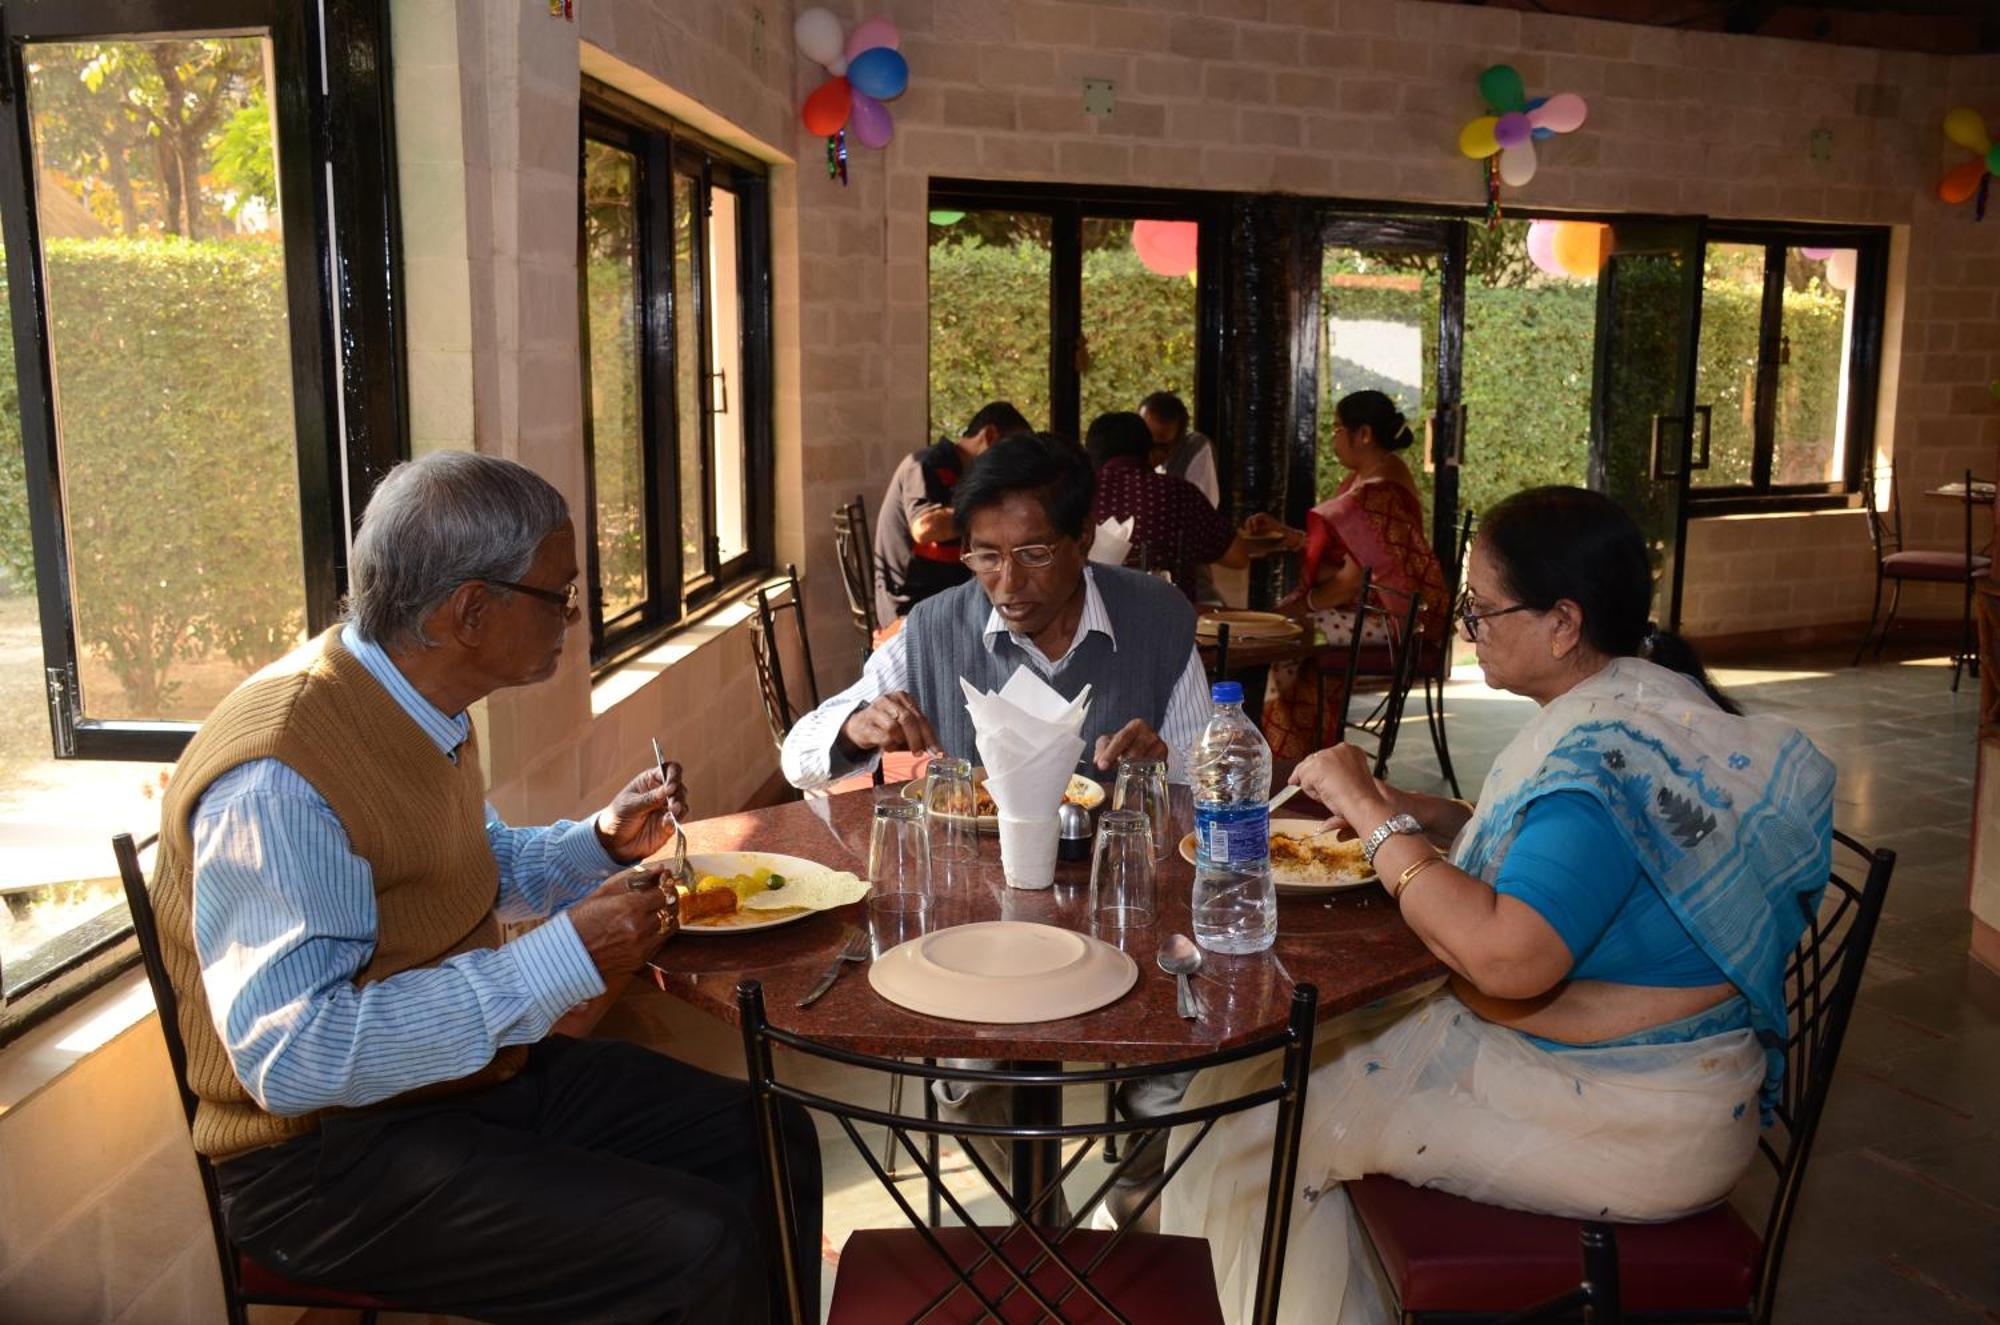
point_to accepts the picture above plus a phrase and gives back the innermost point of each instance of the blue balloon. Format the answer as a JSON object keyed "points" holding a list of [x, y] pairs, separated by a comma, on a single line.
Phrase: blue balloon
{"points": [[1540, 134], [1535, 103], [879, 71]]}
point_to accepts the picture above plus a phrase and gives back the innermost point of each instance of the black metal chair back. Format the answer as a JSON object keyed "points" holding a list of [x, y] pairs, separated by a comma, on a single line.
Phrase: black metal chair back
{"points": [[1821, 982], [1024, 1274], [767, 652], [1386, 719], [854, 550], [1436, 668], [236, 1300]]}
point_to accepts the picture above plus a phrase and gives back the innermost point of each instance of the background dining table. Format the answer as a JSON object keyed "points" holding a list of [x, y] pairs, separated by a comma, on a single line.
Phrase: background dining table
{"points": [[1352, 945]]}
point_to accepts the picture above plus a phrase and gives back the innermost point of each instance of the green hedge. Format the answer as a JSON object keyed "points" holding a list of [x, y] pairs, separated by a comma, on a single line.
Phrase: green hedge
{"points": [[180, 469]]}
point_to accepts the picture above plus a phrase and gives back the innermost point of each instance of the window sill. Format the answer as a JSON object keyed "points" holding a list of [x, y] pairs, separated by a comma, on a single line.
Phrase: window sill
{"points": [[42, 1055], [1798, 503], [626, 677]]}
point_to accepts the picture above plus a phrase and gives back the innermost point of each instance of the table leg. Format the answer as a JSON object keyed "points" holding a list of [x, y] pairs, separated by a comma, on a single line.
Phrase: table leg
{"points": [[1036, 1162]]}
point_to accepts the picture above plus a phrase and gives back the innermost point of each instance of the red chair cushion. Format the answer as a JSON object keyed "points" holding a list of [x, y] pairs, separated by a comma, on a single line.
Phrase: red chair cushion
{"points": [[1445, 1253], [889, 1274], [262, 1285], [1949, 566]]}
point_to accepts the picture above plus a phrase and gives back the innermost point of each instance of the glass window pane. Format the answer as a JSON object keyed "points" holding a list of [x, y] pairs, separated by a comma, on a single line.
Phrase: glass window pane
{"points": [[688, 374], [1732, 314], [1809, 433], [725, 356], [1381, 311], [1139, 324], [989, 311], [156, 183], [612, 315]]}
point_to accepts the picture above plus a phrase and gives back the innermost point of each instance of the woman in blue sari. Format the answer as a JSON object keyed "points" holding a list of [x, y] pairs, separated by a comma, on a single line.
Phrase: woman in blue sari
{"points": [[1615, 916]]}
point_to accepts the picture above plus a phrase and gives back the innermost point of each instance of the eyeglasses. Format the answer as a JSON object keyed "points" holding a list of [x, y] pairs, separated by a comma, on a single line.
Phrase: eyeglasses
{"points": [[1029, 556], [1463, 610], [565, 597]]}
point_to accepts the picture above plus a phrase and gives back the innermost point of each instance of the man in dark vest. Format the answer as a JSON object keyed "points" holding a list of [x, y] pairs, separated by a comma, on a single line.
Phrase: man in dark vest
{"points": [[916, 545], [378, 1088], [1023, 513]]}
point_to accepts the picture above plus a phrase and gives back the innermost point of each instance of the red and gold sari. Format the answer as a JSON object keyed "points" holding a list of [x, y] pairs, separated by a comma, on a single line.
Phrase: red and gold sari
{"points": [[1380, 524]]}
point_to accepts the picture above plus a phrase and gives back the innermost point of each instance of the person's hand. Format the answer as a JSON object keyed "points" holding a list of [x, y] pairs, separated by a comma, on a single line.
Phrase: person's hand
{"points": [[626, 920], [893, 722], [1135, 740], [933, 524], [1340, 779], [1263, 525], [635, 824]]}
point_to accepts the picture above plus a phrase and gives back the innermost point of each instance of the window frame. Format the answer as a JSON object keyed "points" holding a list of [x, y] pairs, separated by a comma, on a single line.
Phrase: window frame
{"points": [[675, 591], [345, 301], [1870, 299]]}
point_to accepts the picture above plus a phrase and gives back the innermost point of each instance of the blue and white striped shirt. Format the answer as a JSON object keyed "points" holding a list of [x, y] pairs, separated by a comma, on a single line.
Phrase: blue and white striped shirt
{"points": [[284, 919]]}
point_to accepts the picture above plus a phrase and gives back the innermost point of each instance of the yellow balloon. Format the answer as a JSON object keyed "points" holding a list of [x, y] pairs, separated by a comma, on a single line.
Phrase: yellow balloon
{"points": [[1476, 139], [1580, 247], [1966, 127]]}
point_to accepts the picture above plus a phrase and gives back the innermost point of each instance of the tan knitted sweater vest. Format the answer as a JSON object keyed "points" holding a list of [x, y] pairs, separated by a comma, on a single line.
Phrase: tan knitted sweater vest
{"points": [[416, 817]]}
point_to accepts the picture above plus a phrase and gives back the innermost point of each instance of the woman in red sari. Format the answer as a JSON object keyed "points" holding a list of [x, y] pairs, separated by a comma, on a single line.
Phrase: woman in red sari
{"points": [[1375, 521]]}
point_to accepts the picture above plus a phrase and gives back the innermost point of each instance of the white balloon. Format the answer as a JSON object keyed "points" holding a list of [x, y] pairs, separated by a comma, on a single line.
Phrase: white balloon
{"points": [[818, 35], [1840, 269], [1517, 165]]}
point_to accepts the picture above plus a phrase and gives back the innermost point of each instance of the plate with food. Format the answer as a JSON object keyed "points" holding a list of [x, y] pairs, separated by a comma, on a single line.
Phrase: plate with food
{"points": [[1246, 626], [1081, 791], [1305, 860], [740, 892]]}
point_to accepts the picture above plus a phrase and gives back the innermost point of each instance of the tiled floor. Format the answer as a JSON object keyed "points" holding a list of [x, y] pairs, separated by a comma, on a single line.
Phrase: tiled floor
{"points": [[1900, 1216]]}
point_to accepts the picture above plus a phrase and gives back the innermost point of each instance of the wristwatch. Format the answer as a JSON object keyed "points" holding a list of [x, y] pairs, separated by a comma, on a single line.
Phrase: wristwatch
{"points": [[1395, 823]]}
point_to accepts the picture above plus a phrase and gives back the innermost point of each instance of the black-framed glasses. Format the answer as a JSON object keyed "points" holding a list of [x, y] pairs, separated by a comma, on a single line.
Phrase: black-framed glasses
{"points": [[1029, 556], [565, 597], [1462, 611]]}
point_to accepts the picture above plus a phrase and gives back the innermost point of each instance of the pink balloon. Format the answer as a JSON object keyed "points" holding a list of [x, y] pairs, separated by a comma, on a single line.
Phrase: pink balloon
{"points": [[1816, 254], [878, 31], [1561, 113], [1512, 130], [1542, 247], [1166, 248], [872, 124]]}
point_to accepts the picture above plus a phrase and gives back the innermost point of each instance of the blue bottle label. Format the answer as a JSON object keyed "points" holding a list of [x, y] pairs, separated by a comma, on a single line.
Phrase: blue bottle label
{"points": [[1234, 836]]}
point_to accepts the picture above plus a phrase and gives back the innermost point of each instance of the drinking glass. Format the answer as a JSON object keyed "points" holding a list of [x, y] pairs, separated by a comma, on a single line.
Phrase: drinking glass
{"points": [[899, 872], [1121, 871], [953, 810], [1142, 786]]}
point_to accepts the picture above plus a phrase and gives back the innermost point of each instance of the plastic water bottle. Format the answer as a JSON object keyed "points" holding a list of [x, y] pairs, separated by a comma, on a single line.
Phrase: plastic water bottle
{"points": [[1235, 904]]}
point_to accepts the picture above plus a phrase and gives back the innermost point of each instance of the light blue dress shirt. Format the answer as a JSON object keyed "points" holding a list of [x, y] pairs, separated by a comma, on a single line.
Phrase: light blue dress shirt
{"points": [[284, 919]]}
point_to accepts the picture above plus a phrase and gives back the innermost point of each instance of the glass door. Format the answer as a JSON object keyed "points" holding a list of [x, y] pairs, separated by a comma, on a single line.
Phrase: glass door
{"points": [[1392, 317], [1646, 432]]}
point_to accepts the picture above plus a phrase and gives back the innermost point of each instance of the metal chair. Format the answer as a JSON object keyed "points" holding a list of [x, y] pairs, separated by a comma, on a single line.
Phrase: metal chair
{"points": [[1394, 663], [854, 551], [1024, 1270], [1895, 564], [1434, 656], [245, 1283], [1458, 1260], [766, 651]]}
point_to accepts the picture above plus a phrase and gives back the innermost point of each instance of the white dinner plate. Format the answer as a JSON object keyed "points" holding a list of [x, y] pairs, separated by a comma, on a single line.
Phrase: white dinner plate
{"points": [[1304, 886], [1081, 791], [723, 864], [1003, 971]]}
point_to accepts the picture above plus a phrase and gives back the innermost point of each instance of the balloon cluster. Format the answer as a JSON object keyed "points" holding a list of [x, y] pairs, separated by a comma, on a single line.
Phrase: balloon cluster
{"points": [[1967, 127], [1569, 248], [1505, 137], [867, 69], [1839, 262]]}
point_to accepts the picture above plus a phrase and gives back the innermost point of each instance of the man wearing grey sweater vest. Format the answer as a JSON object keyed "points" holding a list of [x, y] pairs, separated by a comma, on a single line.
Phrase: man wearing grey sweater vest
{"points": [[1023, 513]]}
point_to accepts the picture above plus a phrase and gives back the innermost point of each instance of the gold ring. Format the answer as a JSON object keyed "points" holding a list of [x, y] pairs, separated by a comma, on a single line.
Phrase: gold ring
{"points": [[666, 919]]}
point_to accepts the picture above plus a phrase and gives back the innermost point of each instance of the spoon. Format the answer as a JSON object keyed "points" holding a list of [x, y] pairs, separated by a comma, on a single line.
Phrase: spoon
{"points": [[1181, 959]]}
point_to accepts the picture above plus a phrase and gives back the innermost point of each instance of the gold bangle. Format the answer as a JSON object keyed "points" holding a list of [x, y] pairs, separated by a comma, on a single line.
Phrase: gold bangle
{"points": [[1403, 882]]}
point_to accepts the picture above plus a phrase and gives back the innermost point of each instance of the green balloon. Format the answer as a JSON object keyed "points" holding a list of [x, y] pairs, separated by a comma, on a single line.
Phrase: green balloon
{"points": [[1502, 87], [946, 218], [1993, 159]]}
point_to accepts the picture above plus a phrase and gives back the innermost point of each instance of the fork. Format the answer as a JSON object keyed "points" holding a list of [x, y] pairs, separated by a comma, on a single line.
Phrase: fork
{"points": [[855, 951], [680, 869]]}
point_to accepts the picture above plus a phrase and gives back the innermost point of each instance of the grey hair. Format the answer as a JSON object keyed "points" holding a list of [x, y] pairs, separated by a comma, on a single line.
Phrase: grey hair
{"points": [[436, 523]]}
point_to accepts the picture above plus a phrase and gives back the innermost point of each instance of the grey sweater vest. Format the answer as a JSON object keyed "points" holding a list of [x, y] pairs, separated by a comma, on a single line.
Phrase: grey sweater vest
{"points": [[1155, 630]]}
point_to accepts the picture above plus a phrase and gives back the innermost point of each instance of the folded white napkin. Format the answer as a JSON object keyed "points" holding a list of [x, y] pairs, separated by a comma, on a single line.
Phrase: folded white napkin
{"points": [[1113, 542], [1029, 739]]}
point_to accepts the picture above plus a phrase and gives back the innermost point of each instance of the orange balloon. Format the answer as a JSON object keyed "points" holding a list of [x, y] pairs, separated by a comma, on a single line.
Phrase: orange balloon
{"points": [[1581, 247], [826, 110], [1962, 182]]}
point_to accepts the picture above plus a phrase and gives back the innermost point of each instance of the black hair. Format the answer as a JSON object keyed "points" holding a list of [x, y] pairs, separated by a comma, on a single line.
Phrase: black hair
{"points": [[1121, 434], [998, 414], [1053, 470], [1168, 406], [1377, 413], [1558, 542]]}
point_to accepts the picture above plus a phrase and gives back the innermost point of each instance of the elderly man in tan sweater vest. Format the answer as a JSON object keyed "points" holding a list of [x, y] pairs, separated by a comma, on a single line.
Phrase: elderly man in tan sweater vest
{"points": [[378, 1085]]}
